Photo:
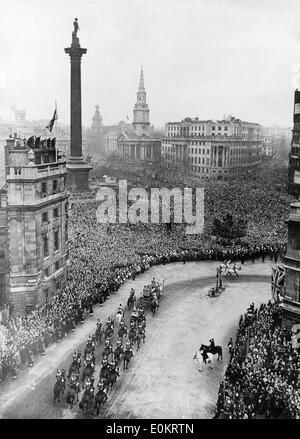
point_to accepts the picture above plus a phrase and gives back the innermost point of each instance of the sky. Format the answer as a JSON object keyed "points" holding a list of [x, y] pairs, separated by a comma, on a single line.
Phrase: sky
{"points": [[201, 58]]}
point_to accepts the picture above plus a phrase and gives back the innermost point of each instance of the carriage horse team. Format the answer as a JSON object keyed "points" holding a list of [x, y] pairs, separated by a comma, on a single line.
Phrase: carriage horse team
{"points": [[112, 358]]}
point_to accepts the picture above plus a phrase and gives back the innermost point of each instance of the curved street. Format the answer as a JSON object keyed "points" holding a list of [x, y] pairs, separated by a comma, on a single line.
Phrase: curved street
{"points": [[163, 380]]}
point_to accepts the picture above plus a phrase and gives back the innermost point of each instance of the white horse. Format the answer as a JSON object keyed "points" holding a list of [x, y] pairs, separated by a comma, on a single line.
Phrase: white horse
{"points": [[222, 268], [233, 271], [161, 286], [198, 355], [119, 317]]}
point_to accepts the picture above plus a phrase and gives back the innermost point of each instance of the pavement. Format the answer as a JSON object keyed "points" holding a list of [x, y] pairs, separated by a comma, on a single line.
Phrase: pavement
{"points": [[162, 380]]}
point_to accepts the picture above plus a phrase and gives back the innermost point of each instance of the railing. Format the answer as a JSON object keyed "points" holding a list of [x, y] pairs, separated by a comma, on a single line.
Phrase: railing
{"points": [[45, 170]]}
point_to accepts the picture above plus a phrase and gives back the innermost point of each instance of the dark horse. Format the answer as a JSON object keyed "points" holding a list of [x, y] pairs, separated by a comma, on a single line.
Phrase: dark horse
{"points": [[126, 358], [138, 339], [118, 353], [104, 372], [71, 394], [131, 301], [108, 332], [89, 349], [154, 306], [214, 351], [74, 368], [86, 401], [87, 372], [99, 332], [100, 398], [132, 335], [107, 351], [63, 380], [57, 391], [122, 331], [112, 378]]}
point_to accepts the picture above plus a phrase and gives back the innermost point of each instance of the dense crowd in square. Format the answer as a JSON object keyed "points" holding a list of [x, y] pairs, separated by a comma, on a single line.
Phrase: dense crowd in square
{"points": [[103, 256]]}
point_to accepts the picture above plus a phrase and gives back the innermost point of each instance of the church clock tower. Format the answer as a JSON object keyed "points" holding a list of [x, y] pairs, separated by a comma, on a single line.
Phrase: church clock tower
{"points": [[141, 110]]}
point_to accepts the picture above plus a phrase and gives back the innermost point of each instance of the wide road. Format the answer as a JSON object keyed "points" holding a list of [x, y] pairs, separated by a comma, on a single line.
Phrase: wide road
{"points": [[163, 380]]}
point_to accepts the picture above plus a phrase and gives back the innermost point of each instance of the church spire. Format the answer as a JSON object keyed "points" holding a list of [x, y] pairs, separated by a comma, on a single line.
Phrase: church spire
{"points": [[141, 110], [141, 84]]}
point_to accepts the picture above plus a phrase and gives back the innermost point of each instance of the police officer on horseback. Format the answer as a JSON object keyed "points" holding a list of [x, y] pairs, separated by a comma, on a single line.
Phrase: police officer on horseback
{"points": [[110, 323], [128, 347]]}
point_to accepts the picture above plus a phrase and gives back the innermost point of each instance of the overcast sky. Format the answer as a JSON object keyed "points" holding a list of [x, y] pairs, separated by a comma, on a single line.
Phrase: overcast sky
{"points": [[204, 58]]}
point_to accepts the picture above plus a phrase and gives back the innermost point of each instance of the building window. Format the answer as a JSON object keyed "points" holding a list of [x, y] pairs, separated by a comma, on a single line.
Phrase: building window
{"points": [[57, 265], [44, 217], [55, 212], [66, 232], [55, 186], [44, 189], [45, 246], [56, 240], [46, 271]]}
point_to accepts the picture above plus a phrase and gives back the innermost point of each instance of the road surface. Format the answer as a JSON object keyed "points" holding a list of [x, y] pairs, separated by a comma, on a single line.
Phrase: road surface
{"points": [[163, 380]]}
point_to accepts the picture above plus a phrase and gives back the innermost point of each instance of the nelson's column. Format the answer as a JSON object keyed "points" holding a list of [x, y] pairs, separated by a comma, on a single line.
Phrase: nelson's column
{"points": [[78, 169]]}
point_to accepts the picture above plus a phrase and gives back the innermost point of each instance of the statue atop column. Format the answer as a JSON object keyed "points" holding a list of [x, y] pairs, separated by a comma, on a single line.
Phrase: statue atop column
{"points": [[75, 39]]}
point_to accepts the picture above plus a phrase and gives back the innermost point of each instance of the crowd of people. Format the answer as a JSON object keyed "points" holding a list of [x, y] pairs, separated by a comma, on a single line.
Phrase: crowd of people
{"points": [[103, 256], [262, 379]]}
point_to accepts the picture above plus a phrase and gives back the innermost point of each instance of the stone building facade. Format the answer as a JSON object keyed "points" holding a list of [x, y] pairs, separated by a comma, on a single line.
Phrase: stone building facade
{"points": [[37, 221], [291, 288], [212, 149], [294, 156]]}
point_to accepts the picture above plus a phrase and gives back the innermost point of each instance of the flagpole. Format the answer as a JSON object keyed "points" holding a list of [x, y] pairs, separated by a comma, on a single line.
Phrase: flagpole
{"points": [[56, 132]]}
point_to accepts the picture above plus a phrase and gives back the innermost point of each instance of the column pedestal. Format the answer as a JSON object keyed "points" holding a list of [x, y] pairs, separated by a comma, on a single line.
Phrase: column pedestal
{"points": [[78, 174]]}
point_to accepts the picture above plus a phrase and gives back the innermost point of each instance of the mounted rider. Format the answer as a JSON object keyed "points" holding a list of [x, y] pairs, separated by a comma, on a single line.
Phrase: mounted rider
{"points": [[110, 324], [128, 347], [212, 344], [134, 314], [102, 385], [108, 344], [120, 344], [113, 365], [121, 309], [90, 360], [58, 375], [74, 379], [89, 386], [123, 325], [104, 361], [141, 310], [141, 331], [91, 341], [132, 293]]}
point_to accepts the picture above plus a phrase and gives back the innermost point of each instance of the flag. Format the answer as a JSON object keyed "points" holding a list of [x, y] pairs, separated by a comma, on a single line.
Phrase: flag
{"points": [[54, 118], [277, 280]]}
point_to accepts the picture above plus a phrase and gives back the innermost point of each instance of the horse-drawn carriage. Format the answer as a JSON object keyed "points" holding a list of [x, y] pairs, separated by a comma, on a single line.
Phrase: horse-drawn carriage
{"points": [[152, 292]]}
